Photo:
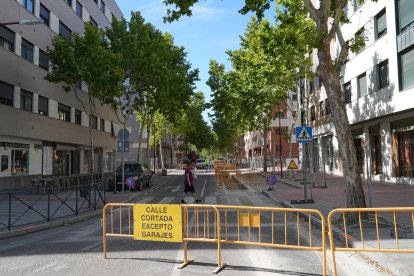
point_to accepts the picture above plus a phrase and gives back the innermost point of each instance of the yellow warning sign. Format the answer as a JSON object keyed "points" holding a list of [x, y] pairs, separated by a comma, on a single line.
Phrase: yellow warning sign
{"points": [[292, 165], [158, 222]]}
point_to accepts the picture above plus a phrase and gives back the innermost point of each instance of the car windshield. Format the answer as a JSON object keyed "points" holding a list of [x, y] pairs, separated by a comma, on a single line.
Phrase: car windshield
{"points": [[201, 161], [129, 168]]}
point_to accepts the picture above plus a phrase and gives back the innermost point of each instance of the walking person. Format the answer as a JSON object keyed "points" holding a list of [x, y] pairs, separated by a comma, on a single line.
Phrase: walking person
{"points": [[189, 180]]}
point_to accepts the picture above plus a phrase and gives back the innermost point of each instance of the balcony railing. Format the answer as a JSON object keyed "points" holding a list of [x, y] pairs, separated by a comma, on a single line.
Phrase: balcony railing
{"points": [[405, 39]]}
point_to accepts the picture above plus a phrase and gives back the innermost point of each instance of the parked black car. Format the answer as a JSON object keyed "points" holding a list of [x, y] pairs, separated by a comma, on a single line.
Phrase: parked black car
{"points": [[136, 173]]}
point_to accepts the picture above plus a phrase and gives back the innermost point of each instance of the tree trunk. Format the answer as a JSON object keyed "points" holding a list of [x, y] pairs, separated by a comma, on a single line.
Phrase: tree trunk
{"points": [[148, 147], [92, 150], [355, 197], [140, 136], [161, 156], [265, 131]]}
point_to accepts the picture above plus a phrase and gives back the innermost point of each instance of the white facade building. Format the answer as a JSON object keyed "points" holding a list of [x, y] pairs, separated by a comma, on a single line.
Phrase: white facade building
{"points": [[378, 83]]}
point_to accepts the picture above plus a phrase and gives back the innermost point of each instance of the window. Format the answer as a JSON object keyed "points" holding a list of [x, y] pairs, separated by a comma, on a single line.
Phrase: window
{"points": [[78, 9], [44, 15], [19, 162], [43, 106], [313, 113], [321, 109], [29, 5], [381, 24], [69, 2], [345, 10], [103, 7], [6, 38], [93, 22], [27, 50], [356, 4], [406, 15], [26, 100], [311, 86], [43, 60], [102, 125], [94, 122], [376, 154], [64, 112], [6, 93], [327, 107], [407, 69], [78, 117], [383, 77], [294, 97], [347, 92], [64, 30], [362, 85]]}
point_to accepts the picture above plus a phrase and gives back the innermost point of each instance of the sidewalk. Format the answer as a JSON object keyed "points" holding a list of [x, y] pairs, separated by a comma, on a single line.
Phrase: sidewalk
{"points": [[333, 196], [126, 197]]}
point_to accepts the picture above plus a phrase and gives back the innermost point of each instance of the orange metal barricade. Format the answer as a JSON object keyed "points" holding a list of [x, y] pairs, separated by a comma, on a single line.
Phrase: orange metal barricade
{"points": [[222, 224], [370, 238], [201, 228], [117, 226], [249, 227]]}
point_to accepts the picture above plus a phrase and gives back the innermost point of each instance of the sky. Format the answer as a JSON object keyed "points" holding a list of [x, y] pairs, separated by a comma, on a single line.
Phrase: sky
{"points": [[214, 27]]}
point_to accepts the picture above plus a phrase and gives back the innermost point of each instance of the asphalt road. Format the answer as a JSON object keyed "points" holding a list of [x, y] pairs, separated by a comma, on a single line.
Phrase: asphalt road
{"points": [[77, 249]]}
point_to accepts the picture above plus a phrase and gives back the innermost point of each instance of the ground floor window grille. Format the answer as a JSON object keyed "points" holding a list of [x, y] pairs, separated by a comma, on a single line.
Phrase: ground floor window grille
{"points": [[406, 153], [359, 150], [376, 154]]}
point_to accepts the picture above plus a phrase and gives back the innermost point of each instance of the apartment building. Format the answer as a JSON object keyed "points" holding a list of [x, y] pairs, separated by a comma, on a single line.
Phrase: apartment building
{"points": [[43, 129], [378, 85], [278, 145]]}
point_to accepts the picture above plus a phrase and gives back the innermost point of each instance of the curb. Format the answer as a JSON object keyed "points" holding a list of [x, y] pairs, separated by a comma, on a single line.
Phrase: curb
{"points": [[29, 229]]}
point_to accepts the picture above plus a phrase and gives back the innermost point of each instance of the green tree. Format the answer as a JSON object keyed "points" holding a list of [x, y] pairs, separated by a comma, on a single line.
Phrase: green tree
{"points": [[326, 19], [86, 59], [157, 75]]}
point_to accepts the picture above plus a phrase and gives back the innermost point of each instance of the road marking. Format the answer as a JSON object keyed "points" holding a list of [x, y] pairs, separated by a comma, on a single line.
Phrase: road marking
{"points": [[211, 200], [166, 200], [88, 248], [146, 199], [204, 187], [176, 189]]}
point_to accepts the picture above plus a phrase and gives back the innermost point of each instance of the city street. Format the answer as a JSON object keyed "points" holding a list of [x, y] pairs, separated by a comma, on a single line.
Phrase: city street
{"points": [[77, 249]]}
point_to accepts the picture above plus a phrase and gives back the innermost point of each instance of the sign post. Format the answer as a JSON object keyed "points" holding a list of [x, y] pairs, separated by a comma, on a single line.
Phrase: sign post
{"points": [[304, 136], [123, 134]]}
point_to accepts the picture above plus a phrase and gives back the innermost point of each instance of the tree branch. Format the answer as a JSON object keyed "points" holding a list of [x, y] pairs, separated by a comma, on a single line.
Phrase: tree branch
{"points": [[343, 54], [340, 5], [311, 9]]}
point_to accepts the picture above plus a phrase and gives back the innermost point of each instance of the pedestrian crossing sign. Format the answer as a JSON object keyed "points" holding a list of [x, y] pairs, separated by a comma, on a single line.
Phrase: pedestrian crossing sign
{"points": [[292, 165], [303, 134]]}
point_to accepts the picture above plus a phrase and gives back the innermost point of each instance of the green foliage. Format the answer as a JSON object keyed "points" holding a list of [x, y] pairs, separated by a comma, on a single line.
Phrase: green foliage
{"points": [[86, 59], [158, 74]]}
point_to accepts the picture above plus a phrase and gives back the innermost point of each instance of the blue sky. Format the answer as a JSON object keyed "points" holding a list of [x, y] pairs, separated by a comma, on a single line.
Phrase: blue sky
{"points": [[214, 27]]}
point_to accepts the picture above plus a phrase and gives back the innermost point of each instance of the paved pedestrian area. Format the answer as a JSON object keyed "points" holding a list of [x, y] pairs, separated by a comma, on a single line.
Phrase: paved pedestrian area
{"points": [[328, 192]]}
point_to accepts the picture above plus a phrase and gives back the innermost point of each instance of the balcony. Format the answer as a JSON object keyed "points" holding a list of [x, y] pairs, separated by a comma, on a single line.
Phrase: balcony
{"points": [[406, 38]]}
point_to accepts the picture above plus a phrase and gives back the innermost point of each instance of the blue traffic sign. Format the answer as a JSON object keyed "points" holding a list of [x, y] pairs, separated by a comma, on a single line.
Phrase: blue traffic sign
{"points": [[304, 134]]}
